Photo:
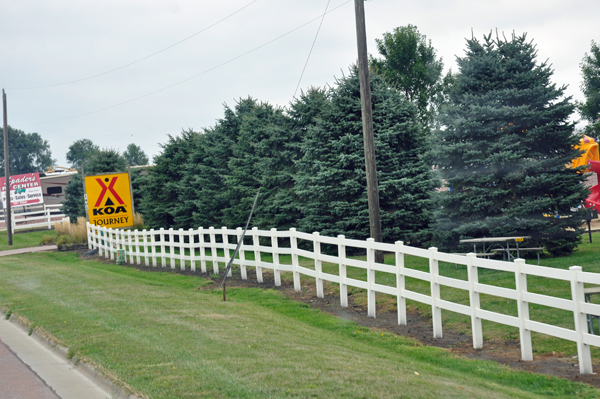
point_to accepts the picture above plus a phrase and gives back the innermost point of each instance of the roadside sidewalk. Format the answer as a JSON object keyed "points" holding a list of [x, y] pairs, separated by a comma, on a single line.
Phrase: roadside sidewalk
{"points": [[41, 248]]}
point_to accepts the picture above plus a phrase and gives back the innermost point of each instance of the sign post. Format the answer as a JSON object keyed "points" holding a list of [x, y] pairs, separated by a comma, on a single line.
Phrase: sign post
{"points": [[109, 200]]}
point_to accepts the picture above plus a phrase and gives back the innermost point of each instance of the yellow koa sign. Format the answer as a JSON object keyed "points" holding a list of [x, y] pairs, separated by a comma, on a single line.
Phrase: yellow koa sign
{"points": [[108, 200]]}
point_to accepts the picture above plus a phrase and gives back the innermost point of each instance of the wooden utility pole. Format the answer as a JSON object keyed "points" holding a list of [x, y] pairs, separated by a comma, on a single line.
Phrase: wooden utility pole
{"points": [[367, 120], [7, 211]]}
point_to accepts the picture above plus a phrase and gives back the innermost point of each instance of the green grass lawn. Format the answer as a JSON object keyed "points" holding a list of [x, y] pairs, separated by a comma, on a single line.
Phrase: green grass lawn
{"points": [[166, 336], [585, 256], [24, 240]]}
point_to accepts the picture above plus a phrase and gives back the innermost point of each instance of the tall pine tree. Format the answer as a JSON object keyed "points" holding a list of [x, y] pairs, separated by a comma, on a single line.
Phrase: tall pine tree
{"points": [[331, 180], [590, 109], [504, 151], [161, 203]]}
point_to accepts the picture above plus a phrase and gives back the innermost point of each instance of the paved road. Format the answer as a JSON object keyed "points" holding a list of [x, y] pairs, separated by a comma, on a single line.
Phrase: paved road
{"points": [[17, 379]]}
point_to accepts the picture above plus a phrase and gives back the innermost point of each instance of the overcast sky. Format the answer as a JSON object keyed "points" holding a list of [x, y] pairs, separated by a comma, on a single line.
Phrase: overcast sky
{"points": [[51, 48]]}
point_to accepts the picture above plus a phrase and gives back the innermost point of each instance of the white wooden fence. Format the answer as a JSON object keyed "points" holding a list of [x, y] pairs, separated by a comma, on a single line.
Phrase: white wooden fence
{"points": [[33, 216], [201, 246]]}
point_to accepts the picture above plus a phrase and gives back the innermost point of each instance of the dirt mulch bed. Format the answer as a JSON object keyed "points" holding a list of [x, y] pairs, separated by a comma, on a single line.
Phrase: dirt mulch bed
{"points": [[507, 352]]}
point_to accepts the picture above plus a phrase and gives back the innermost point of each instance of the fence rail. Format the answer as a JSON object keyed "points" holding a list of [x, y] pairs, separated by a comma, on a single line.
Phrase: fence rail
{"points": [[33, 216], [209, 247]]}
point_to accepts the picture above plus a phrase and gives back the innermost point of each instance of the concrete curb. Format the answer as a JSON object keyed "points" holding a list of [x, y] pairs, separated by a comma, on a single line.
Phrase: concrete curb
{"points": [[86, 369]]}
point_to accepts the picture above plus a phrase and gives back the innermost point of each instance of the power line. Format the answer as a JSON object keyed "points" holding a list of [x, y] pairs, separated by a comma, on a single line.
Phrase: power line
{"points": [[140, 60], [311, 49], [187, 79]]}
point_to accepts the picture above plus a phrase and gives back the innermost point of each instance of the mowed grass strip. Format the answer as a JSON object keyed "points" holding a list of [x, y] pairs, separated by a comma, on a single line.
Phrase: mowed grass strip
{"points": [[586, 256], [166, 337], [25, 240]]}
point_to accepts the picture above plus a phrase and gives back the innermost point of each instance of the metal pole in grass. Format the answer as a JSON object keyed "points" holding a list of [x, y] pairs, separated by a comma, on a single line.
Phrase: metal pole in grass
{"points": [[7, 209], [237, 248]]}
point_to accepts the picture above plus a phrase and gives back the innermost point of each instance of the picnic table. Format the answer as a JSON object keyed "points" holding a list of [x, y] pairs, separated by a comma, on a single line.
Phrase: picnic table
{"points": [[489, 246]]}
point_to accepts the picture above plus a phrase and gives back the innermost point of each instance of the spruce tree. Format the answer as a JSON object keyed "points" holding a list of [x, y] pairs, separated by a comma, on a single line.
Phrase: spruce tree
{"points": [[161, 202], [590, 109], [262, 157], [251, 147], [504, 151], [331, 180]]}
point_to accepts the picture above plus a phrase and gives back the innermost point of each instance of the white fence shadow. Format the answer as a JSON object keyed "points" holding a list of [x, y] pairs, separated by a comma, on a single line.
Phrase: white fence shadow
{"points": [[209, 247]]}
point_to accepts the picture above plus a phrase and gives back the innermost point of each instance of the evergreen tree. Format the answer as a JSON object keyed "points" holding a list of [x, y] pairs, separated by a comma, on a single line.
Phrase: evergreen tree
{"points": [[73, 205], [262, 157], [203, 195], [331, 180], [504, 151], [246, 150], [162, 188], [590, 109]]}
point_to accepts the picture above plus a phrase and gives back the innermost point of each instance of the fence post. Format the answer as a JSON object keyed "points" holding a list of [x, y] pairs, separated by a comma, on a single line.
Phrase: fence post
{"points": [[242, 253], [103, 248], [171, 248], [89, 234], [123, 241], [163, 255], [112, 242], [107, 242], [153, 244], [295, 262], [400, 284], [192, 243], [126, 239], [101, 242], [48, 215], [275, 251], [473, 277], [146, 248], [202, 249], [523, 311], [226, 253], [583, 350], [318, 268], [371, 303], [181, 250], [99, 239], [213, 249], [436, 311], [257, 259], [342, 271], [136, 239]]}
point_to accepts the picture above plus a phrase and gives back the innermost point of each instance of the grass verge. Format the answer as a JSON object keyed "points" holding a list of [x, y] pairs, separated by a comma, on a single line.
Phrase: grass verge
{"points": [[586, 256], [167, 337], [25, 240]]}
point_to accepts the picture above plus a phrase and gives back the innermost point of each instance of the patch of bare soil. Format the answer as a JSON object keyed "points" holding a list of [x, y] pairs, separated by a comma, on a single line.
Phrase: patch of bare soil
{"points": [[419, 327]]}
